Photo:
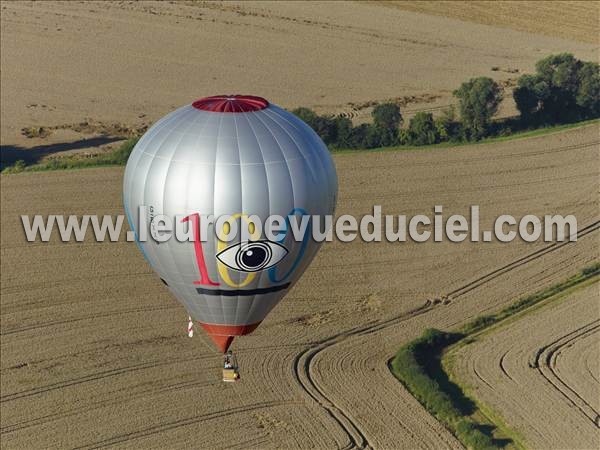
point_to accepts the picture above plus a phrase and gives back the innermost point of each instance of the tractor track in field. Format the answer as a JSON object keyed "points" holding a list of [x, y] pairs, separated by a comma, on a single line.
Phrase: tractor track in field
{"points": [[303, 361], [128, 437], [545, 363], [84, 318], [302, 364], [520, 262], [101, 404], [536, 365], [496, 157], [502, 368], [79, 402], [86, 379], [483, 380], [303, 368]]}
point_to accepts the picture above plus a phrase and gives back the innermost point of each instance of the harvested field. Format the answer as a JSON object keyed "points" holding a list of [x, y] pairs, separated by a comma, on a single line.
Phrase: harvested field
{"points": [[576, 20], [122, 65], [541, 372], [95, 352]]}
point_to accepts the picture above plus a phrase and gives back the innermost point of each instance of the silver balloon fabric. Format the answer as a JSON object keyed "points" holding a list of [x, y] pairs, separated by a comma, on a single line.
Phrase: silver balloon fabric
{"points": [[197, 163]]}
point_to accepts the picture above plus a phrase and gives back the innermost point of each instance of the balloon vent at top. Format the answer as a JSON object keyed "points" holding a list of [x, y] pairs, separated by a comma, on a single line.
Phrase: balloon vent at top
{"points": [[231, 103]]}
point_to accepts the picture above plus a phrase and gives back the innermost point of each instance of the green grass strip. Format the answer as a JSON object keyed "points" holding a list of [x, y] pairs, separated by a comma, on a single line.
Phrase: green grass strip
{"points": [[418, 366]]}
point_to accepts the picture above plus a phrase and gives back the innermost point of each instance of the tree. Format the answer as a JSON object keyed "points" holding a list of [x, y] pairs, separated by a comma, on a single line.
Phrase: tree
{"points": [[324, 126], [343, 132], [387, 116], [376, 136], [366, 135], [446, 126], [588, 91], [386, 119], [358, 136], [307, 115], [562, 89], [531, 90], [422, 129], [559, 71], [403, 137], [560, 74], [478, 99]]}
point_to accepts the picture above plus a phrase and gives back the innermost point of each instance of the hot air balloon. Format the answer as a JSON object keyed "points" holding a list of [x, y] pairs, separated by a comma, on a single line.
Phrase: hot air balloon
{"points": [[235, 156]]}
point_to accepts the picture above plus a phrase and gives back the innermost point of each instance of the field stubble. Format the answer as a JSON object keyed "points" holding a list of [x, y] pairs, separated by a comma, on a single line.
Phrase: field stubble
{"points": [[540, 372], [92, 343]]}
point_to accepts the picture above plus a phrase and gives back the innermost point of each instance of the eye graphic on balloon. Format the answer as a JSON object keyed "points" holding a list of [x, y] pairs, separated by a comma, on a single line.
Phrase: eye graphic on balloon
{"points": [[252, 256]]}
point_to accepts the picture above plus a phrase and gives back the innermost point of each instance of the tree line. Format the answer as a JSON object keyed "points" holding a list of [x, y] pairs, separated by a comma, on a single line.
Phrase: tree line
{"points": [[564, 89]]}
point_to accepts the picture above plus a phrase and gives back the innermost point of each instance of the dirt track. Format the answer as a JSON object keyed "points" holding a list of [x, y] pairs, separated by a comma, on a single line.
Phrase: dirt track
{"points": [[541, 372], [94, 351]]}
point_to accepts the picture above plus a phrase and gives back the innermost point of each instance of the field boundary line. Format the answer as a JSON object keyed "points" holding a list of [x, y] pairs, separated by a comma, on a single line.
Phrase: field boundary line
{"points": [[302, 366], [430, 357]]}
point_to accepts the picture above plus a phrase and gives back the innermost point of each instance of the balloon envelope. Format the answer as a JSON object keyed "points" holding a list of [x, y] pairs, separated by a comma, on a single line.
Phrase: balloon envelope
{"points": [[231, 157]]}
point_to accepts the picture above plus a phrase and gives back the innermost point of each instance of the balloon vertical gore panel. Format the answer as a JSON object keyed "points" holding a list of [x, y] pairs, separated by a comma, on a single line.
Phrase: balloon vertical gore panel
{"points": [[234, 156]]}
